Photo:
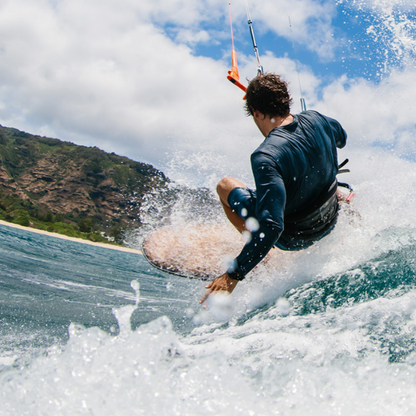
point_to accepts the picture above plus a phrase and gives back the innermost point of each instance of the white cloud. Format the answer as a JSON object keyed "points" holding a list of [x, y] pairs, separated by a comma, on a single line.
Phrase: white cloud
{"points": [[311, 22], [376, 114], [107, 74], [99, 73], [190, 37], [181, 12]]}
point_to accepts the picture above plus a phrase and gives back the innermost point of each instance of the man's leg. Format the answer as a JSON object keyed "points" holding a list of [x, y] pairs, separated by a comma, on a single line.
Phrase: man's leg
{"points": [[224, 187]]}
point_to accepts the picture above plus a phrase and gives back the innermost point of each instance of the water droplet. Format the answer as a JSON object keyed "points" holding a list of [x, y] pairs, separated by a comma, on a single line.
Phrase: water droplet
{"points": [[252, 224]]}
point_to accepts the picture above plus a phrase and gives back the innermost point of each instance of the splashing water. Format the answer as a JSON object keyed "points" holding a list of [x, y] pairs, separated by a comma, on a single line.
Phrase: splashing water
{"points": [[391, 26], [329, 332], [145, 371], [273, 362]]}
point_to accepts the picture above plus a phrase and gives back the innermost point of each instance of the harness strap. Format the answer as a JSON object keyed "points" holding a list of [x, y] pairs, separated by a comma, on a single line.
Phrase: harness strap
{"points": [[343, 184], [311, 209], [341, 165], [313, 227], [312, 222]]}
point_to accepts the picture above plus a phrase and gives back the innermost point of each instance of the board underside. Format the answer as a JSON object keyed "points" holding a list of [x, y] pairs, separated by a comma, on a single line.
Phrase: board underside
{"points": [[203, 251], [198, 251]]}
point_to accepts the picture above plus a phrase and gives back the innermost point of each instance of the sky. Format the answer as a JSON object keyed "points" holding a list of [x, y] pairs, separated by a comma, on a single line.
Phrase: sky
{"points": [[147, 78]]}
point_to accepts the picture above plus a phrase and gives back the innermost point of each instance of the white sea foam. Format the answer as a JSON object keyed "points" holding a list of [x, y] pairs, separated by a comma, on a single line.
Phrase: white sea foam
{"points": [[319, 364]]}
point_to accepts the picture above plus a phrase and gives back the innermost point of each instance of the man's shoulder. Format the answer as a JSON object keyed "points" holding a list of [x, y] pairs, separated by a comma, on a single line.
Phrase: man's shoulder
{"points": [[273, 150], [314, 115], [271, 144], [328, 124], [311, 114]]}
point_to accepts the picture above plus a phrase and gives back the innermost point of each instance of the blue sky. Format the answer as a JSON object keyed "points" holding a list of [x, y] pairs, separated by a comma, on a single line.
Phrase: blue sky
{"points": [[147, 79], [355, 50]]}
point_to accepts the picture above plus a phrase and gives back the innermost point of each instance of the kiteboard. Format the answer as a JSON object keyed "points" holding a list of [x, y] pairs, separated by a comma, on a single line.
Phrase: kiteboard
{"points": [[197, 251], [200, 251]]}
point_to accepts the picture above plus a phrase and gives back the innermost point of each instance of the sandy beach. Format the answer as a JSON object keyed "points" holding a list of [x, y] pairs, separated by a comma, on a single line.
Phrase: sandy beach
{"points": [[64, 237]]}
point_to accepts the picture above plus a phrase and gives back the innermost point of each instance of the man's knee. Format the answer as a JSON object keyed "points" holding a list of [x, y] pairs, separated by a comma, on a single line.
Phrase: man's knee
{"points": [[226, 185]]}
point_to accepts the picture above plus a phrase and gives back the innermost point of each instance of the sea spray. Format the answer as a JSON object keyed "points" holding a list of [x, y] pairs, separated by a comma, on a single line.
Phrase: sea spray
{"points": [[123, 314], [144, 371], [341, 342], [333, 362], [388, 43]]}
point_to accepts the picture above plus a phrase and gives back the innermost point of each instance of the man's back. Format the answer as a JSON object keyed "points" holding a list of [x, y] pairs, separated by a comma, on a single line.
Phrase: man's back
{"points": [[303, 153], [295, 202]]}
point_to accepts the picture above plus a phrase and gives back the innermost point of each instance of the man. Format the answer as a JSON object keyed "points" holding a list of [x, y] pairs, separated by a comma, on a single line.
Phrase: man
{"points": [[295, 202]]}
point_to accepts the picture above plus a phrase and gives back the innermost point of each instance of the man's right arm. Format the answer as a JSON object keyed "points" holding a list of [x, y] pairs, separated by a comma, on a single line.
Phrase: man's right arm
{"points": [[339, 133], [271, 200]]}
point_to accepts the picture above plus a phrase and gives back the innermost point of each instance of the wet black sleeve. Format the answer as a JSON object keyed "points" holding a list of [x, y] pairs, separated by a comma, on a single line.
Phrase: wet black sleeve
{"points": [[271, 201], [340, 134]]}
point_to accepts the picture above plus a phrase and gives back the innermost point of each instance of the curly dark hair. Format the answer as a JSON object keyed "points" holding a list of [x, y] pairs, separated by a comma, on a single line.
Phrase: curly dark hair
{"points": [[268, 94]]}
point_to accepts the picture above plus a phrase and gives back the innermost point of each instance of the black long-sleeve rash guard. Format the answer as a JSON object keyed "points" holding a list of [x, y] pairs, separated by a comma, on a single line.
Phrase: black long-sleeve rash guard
{"points": [[291, 168]]}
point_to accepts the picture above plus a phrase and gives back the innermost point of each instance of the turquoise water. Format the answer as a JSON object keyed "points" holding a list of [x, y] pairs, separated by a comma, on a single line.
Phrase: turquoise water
{"points": [[90, 330], [47, 283], [86, 330]]}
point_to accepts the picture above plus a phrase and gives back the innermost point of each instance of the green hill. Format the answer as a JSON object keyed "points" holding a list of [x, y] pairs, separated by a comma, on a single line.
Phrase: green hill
{"points": [[75, 190]]}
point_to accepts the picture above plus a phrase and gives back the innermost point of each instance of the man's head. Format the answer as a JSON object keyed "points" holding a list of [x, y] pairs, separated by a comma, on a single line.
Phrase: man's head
{"points": [[269, 95]]}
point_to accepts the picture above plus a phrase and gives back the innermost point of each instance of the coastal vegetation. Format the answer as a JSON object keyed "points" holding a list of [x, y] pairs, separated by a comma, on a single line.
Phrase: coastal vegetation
{"points": [[74, 190]]}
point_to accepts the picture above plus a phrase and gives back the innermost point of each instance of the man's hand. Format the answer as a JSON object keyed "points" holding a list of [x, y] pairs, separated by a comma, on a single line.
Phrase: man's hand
{"points": [[222, 283]]}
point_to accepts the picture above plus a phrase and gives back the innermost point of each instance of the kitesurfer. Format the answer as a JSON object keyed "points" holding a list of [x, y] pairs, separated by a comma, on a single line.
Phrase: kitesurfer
{"points": [[295, 202]]}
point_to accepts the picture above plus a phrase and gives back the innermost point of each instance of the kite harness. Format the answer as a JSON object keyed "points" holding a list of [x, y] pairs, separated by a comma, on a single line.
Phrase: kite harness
{"points": [[343, 184]]}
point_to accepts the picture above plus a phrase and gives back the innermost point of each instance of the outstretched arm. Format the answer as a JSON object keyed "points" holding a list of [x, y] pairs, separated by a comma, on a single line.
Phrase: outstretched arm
{"points": [[270, 203]]}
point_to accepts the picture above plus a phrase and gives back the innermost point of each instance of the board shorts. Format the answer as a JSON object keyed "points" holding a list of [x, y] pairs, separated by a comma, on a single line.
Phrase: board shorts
{"points": [[300, 230]]}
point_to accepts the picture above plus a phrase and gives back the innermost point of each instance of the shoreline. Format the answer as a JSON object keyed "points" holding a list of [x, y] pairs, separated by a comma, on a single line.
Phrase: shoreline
{"points": [[65, 237]]}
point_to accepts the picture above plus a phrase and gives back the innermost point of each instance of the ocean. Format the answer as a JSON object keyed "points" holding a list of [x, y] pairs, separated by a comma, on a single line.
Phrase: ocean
{"points": [[86, 330], [89, 330]]}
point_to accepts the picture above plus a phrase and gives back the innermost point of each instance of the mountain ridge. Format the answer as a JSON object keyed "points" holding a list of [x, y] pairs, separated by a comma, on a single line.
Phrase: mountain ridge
{"points": [[84, 189]]}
